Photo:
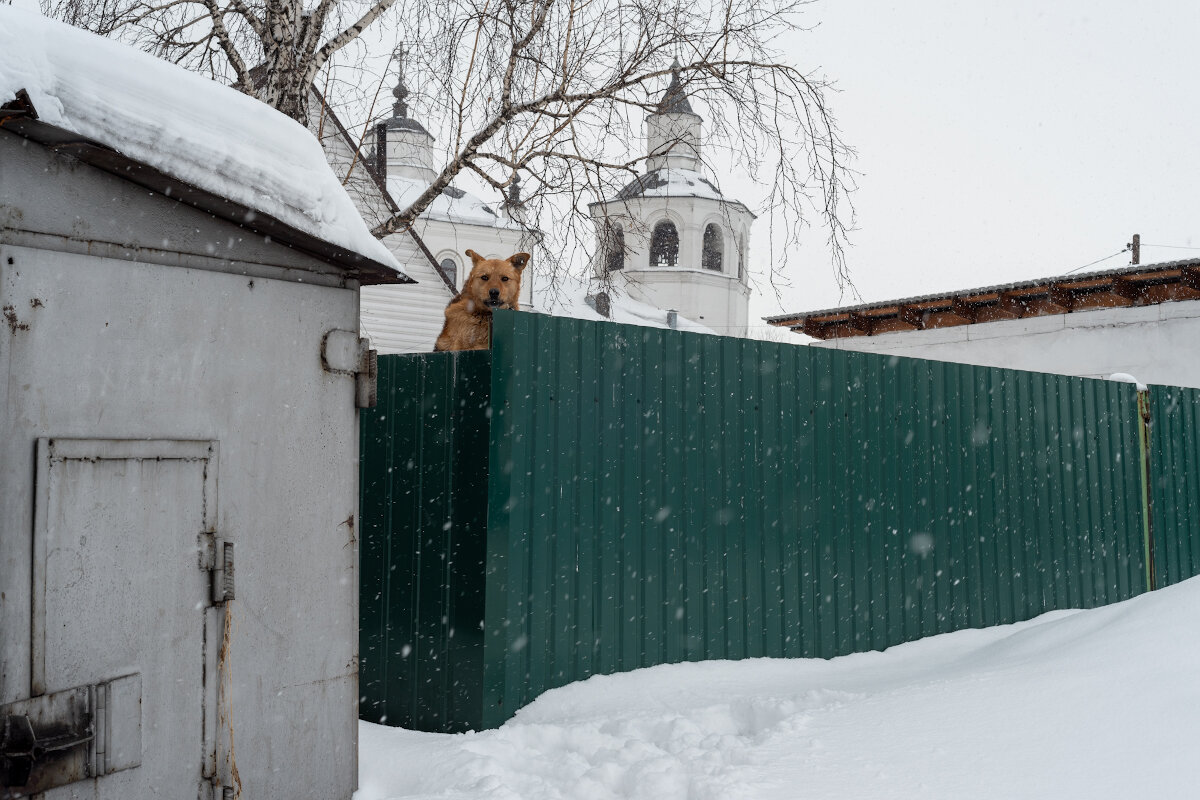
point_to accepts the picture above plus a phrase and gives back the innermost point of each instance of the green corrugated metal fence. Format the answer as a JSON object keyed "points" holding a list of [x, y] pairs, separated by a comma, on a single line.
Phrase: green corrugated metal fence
{"points": [[1175, 482], [424, 449], [625, 497]]}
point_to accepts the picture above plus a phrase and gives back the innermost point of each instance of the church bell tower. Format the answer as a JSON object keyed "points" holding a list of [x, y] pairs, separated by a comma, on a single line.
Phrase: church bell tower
{"points": [[670, 238]]}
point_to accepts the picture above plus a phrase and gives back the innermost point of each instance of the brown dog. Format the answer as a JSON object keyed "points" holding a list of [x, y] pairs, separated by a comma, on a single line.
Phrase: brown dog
{"points": [[493, 283]]}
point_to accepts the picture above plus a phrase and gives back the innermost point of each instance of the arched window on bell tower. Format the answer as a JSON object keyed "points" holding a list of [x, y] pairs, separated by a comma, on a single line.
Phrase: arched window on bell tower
{"points": [[714, 246], [614, 249], [664, 245]]}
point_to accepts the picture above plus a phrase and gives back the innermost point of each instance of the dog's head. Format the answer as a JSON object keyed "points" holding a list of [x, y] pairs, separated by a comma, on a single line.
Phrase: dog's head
{"points": [[494, 282]]}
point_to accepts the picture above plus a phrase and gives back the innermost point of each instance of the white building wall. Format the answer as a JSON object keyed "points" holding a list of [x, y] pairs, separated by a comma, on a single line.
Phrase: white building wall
{"points": [[405, 318], [410, 153], [1155, 344]]}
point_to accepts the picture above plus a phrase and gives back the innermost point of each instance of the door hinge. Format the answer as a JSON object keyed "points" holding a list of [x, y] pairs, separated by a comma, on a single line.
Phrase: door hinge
{"points": [[344, 353], [216, 556], [69, 736]]}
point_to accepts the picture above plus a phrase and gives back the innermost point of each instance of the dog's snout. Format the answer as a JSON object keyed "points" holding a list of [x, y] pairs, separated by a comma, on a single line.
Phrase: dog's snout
{"points": [[493, 293]]}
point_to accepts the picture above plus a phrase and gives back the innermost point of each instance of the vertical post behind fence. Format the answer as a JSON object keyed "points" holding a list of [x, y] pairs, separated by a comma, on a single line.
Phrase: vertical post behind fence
{"points": [[1143, 405]]}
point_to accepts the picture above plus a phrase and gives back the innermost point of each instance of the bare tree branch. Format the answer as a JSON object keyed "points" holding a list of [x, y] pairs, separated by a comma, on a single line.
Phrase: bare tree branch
{"points": [[216, 14], [351, 33], [555, 92]]}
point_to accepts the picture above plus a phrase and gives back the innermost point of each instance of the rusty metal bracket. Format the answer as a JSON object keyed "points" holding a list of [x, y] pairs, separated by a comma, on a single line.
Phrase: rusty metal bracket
{"points": [[19, 108]]}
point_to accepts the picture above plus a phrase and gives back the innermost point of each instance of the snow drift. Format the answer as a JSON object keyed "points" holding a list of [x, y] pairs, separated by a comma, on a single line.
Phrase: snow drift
{"points": [[1076, 704]]}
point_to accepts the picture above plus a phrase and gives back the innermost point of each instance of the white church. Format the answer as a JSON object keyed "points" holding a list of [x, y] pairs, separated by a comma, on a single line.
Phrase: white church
{"points": [[671, 250]]}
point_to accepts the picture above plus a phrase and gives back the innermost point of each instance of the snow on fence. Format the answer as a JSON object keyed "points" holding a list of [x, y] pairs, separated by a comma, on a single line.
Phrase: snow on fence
{"points": [[590, 498]]}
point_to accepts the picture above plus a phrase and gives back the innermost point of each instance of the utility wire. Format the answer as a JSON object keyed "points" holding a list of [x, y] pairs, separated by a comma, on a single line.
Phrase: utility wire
{"points": [[1171, 246], [1124, 249]]}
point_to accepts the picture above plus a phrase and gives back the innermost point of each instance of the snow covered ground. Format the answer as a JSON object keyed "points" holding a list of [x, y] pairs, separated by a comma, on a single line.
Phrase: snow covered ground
{"points": [[1080, 704]]}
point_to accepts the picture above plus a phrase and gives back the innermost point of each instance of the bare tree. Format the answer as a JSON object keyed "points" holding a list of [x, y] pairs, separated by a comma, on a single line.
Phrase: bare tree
{"points": [[557, 92], [554, 91], [272, 49]]}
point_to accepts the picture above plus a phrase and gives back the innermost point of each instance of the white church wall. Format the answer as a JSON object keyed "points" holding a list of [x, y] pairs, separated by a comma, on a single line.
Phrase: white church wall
{"points": [[690, 222], [409, 154], [1155, 344], [727, 224], [405, 318], [677, 215], [715, 300]]}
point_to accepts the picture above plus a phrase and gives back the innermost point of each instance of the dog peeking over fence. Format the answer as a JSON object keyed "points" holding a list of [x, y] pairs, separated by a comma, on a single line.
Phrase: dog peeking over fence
{"points": [[493, 283]]}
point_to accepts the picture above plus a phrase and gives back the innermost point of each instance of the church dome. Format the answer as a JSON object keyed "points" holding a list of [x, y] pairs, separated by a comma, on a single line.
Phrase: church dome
{"points": [[670, 182], [405, 124], [400, 121], [674, 99]]}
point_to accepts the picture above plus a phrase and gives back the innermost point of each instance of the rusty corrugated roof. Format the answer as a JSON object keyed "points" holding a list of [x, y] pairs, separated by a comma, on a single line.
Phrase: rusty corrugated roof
{"points": [[1136, 285]]}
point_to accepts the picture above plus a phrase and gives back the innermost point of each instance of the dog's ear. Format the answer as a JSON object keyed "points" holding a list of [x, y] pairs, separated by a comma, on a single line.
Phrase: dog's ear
{"points": [[475, 257], [519, 260]]}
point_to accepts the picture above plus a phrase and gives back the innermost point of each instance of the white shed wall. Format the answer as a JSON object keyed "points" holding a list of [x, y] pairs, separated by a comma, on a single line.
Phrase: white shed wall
{"points": [[146, 342]]}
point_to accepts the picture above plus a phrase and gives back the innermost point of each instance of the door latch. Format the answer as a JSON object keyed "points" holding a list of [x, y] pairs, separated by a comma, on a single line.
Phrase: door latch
{"points": [[64, 737], [21, 746]]}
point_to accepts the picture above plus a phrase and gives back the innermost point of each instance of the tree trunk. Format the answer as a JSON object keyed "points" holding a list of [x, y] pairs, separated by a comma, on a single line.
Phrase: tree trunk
{"points": [[287, 92], [283, 85]]}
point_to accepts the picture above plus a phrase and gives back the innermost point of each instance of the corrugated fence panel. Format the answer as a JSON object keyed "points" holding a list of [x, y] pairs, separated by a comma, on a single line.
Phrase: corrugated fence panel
{"points": [[423, 526], [659, 496], [1175, 482], [590, 498]]}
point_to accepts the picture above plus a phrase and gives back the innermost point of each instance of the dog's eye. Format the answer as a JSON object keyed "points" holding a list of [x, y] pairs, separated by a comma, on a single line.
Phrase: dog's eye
{"points": [[505, 279], [483, 278]]}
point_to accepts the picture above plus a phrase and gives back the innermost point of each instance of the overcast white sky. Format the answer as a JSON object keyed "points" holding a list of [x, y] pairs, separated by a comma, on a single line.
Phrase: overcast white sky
{"points": [[1000, 141]]}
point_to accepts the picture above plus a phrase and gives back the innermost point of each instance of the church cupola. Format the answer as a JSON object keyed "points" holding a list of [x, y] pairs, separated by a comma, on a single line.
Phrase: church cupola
{"points": [[673, 130], [513, 206], [402, 145]]}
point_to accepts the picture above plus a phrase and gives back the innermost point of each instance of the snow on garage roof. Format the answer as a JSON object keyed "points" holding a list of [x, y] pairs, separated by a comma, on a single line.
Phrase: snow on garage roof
{"points": [[183, 125]]}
